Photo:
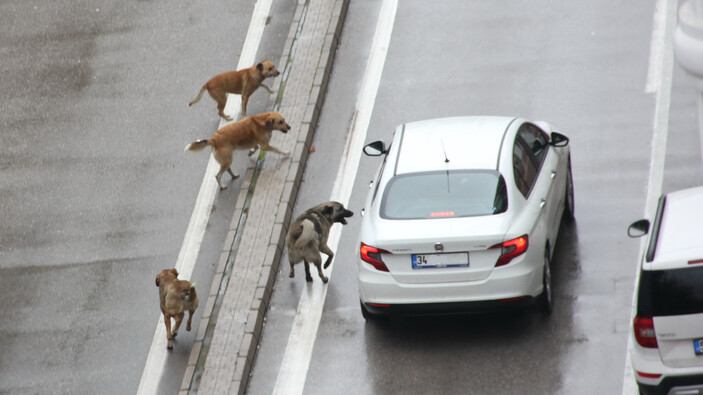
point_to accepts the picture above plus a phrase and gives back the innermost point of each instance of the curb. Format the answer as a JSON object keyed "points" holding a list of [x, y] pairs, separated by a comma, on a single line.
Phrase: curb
{"points": [[247, 318]]}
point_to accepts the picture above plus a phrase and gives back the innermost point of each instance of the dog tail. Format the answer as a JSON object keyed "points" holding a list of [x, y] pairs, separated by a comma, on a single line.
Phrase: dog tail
{"points": [[193, 295], [197, 145], [307, 234], [200, 96]]}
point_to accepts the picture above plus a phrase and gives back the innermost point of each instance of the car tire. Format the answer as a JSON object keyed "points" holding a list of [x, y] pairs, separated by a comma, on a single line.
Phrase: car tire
{"points": [[544, 300], [569, 205], [369, 316]]}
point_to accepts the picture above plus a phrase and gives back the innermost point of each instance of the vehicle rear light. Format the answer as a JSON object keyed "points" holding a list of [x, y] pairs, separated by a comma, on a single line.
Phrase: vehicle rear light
{"points": [[442, 214], [379, 305], [695, 261], [372, 255], [511, 249], [649, 375], [644, 332]]}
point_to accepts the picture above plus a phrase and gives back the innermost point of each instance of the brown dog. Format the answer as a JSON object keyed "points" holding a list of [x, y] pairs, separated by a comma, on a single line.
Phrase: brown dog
{"points": [[251, 132], [242, 82], [176, 297], [307, 237]]}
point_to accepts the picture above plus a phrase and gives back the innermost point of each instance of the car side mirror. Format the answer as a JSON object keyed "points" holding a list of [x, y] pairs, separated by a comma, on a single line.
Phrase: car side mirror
{"points": [[558, 140], [377, 148], [638, 228]]}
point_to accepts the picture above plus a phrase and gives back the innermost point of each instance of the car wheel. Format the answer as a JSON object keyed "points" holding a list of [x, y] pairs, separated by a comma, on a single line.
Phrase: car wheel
{"points": [[569, 198], [545, 298]]}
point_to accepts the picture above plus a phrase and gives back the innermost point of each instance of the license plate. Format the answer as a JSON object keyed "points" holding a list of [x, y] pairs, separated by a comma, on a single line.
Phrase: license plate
{"points": [[698, 346], [428, 261]]}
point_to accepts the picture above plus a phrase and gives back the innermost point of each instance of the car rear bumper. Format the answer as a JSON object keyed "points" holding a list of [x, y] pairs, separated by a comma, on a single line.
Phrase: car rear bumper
{"points": [[505, 287], [664, 379], [675, 385], [447, 308]]}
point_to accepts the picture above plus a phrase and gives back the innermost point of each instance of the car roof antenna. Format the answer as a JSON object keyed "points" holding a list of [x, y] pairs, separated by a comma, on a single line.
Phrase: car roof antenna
{"points": [[446, 159]]}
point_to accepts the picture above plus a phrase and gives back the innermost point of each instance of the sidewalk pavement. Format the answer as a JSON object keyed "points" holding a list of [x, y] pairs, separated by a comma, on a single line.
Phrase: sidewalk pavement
{"points": [[231, 325]]}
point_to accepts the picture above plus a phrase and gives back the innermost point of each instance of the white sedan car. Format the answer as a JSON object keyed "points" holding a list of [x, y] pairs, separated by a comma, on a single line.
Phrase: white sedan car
{"points": [[463, 215]]}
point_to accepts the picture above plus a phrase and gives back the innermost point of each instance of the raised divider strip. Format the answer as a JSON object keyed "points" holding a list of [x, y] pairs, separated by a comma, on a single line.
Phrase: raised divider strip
{"points": [[227, 339]]}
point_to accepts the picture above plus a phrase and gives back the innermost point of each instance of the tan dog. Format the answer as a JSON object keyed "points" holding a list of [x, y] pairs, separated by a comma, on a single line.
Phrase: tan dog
{"points": [[307, 237], [176, 297], [242, 82], [251, 132]]}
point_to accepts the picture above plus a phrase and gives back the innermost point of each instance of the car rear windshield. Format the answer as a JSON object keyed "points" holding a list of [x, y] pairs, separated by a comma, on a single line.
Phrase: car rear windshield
{"points": [[670, 292], [444, 194]]}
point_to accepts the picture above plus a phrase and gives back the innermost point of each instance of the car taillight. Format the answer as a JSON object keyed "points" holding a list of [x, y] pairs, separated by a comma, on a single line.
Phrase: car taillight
{"points": [[511, 249], [372, 255], [644, 332], [649, 375]]}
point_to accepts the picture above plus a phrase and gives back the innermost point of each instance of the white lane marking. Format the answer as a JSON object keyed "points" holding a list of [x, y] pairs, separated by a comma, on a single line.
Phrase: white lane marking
{"points": [[658, 45], [156, 360], [296, 360], [663, 66]]}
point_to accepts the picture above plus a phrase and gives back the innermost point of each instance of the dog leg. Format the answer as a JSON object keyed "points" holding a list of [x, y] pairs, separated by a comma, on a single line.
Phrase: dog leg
{"points": [[327, 251], [221, 112], [269, 147], [308, 277], [218, 176], [221, 99], [252, 150], [190, 319], [318, 264], [266, 87], [234, 175], [223, 156], [245, 100], [169, 338], [292, 270], [178, 318]]}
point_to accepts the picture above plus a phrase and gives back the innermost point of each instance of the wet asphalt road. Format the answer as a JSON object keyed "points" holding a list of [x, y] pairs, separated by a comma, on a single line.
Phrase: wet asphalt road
{"points": [[96, 193], [582, 67], [95, 189]]}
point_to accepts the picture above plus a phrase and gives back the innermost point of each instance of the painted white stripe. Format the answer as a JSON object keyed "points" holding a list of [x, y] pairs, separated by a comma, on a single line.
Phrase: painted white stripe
{"points": [[663, 65], [296, 360], [158, 355], [658, 44]]}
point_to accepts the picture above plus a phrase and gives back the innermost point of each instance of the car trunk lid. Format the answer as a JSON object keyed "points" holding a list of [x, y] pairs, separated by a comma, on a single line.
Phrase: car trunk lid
{"points": [[458, 249], [679, 338]]}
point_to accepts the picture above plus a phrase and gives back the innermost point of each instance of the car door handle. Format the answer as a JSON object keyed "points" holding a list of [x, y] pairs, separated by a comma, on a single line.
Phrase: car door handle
{"points": [[542, 203], [554, 173]]}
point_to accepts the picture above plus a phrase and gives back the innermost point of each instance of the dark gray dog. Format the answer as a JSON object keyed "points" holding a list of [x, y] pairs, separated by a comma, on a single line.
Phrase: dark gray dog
{"points": [[307, 237]]}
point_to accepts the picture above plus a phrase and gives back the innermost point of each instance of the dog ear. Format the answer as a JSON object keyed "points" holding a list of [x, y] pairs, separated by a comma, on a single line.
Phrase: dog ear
{"points": [[328, 210], [260, 66], [175, 272], [157, 281], [269, 123]]}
